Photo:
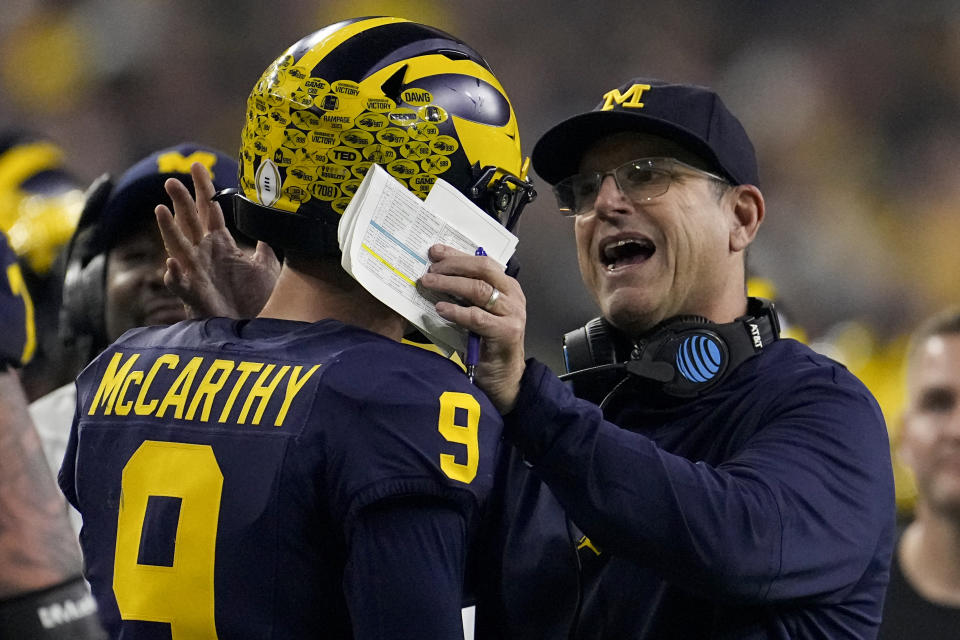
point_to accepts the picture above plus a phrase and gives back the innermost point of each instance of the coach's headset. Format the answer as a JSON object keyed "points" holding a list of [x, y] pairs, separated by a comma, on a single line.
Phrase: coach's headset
{"points": [[684, 357]]}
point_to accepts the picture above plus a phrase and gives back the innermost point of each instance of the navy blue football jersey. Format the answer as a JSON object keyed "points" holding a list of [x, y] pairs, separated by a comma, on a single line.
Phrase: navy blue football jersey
{"points": [[17, 331], [269, 479]]}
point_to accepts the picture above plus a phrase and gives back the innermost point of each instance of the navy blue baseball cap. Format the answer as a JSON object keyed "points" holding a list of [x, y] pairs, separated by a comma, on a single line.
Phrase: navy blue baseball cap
{"points": [[140, 189], [693, 117]]}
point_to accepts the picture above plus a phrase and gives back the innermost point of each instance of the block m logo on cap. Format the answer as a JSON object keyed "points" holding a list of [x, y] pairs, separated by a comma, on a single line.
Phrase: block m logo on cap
{"points": [[176, 162], [630, 99]]}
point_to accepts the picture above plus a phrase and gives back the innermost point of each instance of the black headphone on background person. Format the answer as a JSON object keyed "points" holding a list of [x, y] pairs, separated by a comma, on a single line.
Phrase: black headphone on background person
{"points": [[684, 356], [82, 314]]}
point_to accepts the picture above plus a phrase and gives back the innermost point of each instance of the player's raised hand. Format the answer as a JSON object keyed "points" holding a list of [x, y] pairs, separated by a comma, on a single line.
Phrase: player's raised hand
{"points": [[206, 268]]}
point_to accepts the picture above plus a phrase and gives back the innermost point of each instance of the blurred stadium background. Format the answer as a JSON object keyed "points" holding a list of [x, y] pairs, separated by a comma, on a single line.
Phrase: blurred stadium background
{"points": [[854, 108]]}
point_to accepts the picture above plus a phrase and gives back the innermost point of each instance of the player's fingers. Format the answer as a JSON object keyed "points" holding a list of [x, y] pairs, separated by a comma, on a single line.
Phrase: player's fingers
{"points": [[211, 215], [175, 278], [185, 210], [174, 241]]}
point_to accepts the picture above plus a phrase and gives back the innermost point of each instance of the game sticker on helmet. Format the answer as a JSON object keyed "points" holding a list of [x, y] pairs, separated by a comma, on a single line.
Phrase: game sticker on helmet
{"points": [[422, 183], [315, 86]]}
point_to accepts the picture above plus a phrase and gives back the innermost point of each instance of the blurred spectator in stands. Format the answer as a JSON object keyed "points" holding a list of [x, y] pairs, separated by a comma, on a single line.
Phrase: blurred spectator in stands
{"points": [[923, 599]]}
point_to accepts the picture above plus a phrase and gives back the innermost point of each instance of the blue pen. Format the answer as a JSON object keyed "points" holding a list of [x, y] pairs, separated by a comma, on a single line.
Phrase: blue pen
{"points": [[473, 340]]}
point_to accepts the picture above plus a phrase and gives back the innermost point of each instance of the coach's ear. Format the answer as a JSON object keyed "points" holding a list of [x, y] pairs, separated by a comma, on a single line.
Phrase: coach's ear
{"points": [[746, 208]]}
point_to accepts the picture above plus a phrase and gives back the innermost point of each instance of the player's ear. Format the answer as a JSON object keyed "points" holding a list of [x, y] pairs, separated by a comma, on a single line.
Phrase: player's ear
{"points": [[746, 214]]}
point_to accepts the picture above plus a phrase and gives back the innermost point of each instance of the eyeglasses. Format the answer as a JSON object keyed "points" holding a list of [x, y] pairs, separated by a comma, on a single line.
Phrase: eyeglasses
{"points": [[641, 179]]}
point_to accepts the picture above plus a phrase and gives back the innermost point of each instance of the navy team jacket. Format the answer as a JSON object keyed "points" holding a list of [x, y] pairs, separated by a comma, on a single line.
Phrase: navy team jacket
{"points": [[764, 509]]}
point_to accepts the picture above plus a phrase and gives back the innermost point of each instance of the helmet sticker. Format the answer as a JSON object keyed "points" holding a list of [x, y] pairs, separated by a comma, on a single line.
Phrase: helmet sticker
{"points": [[444, 145], [402, 116], [435, 164], [393, 136], [424, 131], [380, 104], [344, 155], [360, 169], [345, 88], [417, 97], [325, 190], [402, 169], [357, 138], [379, 153], [372, 121], [415, 150], [432, 113], [268, 183], [333, 173]]}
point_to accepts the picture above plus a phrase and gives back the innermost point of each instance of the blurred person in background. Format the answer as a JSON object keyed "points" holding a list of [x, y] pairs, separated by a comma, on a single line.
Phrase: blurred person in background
{"points": [[923, 600], [731, 483], [114, 272], [354, 488], [42, 594], [40, 203]]}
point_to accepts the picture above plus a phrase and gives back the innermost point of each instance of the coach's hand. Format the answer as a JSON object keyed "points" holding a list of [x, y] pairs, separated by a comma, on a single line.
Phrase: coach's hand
{"points": [[498, 315], [206, 268]]}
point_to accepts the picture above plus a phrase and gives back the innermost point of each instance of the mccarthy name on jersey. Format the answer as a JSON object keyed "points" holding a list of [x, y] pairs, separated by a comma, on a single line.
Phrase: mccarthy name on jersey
{"points": [[198, 388]]}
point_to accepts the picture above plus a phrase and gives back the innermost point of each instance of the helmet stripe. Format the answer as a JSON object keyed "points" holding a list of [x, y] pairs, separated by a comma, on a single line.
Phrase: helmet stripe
{"points": [[312, 51], [384, 44]]}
